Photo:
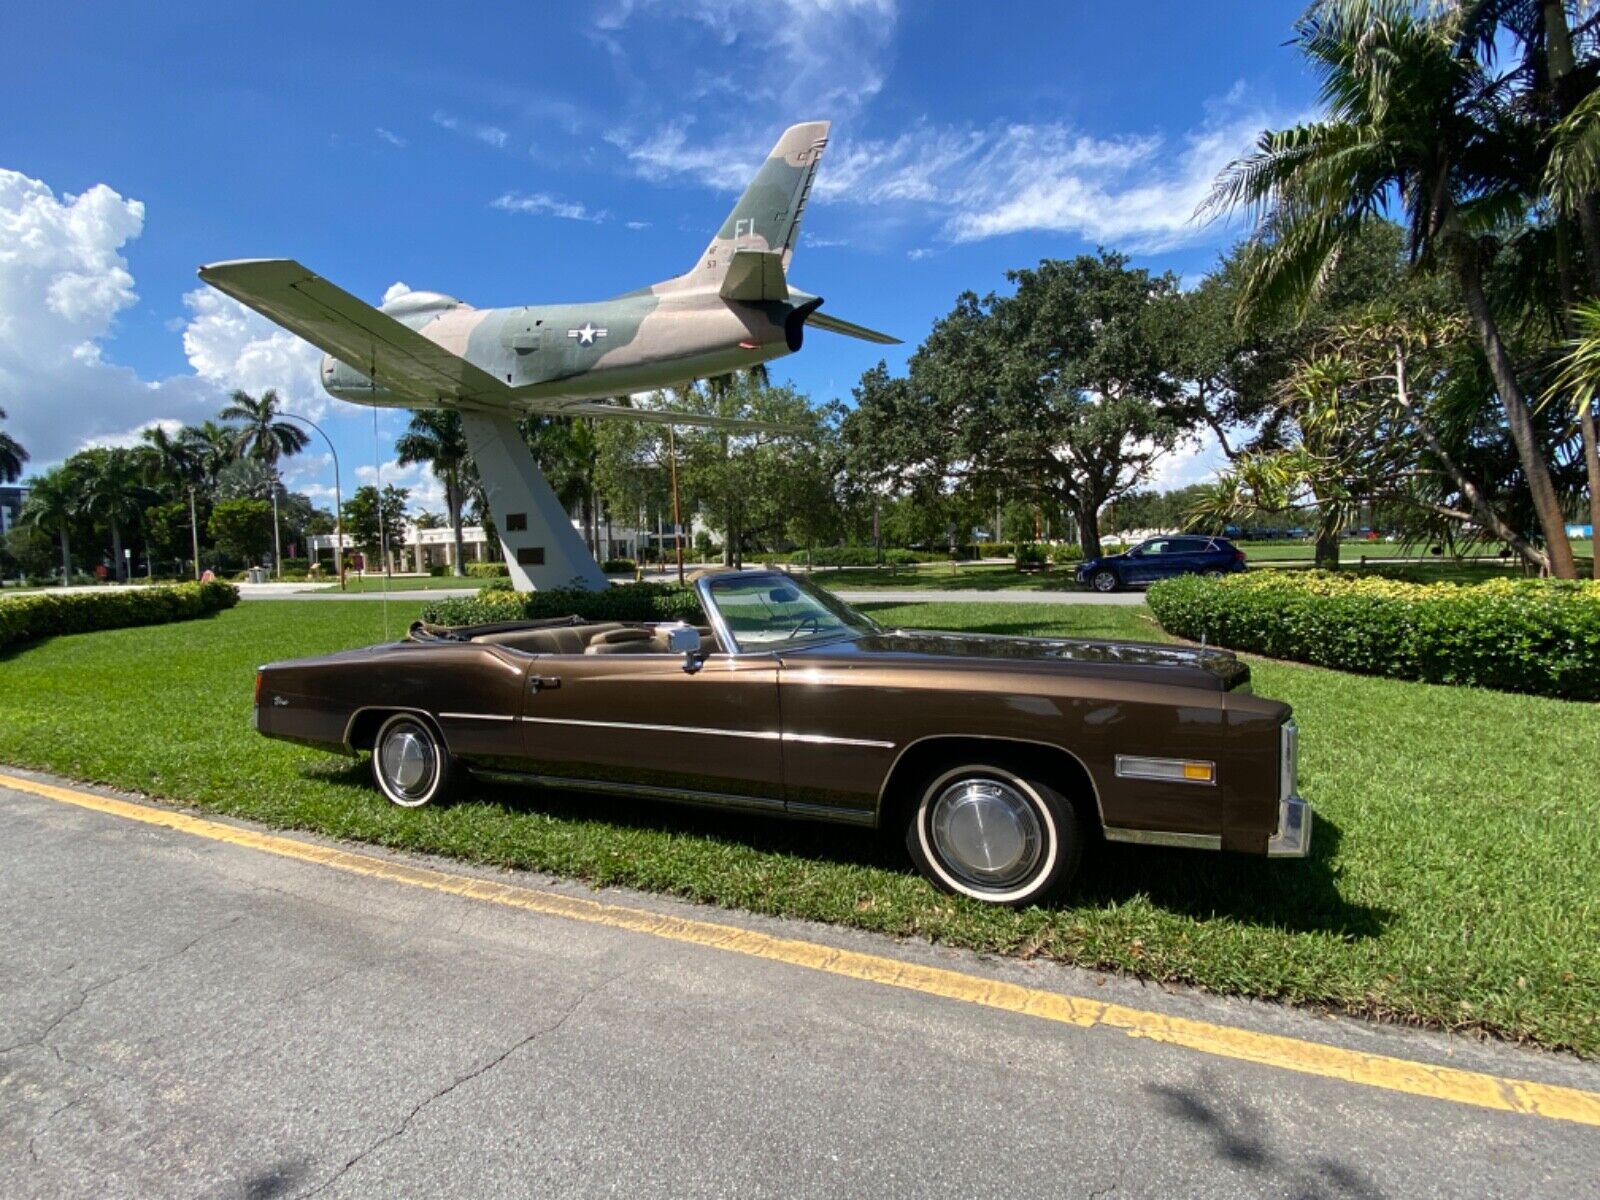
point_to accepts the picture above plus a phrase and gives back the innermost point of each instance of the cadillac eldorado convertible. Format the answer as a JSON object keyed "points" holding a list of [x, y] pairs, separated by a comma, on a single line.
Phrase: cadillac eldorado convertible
{"points": [[1000, 758]]}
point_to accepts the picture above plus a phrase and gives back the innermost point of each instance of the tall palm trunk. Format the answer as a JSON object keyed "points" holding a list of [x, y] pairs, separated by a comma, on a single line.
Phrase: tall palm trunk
{"points": [[66, 555], [1519, 420], [452, 497], [1558, 51], [116, 551]]}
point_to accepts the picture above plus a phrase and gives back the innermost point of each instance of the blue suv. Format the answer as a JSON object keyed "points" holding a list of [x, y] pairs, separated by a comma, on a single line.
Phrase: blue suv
{"points": [[1161, 558]]}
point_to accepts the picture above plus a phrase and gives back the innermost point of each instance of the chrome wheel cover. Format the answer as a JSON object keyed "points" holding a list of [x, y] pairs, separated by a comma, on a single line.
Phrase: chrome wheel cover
{"points": [[1104, 581], [986, 833], [410, 764]]}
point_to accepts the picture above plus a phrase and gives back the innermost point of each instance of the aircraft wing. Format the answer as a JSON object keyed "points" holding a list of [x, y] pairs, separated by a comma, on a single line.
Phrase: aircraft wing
{"points": [[822, 320], [656, 416], [393, 355]]}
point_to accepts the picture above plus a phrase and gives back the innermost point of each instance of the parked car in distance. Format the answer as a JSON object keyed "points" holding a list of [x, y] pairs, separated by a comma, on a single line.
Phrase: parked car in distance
{"points": [[999, 760], [1161, 558]]}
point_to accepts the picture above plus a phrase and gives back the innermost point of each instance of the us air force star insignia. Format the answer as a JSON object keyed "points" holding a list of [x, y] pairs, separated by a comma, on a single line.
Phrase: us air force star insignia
{"points": [[587, 334]]}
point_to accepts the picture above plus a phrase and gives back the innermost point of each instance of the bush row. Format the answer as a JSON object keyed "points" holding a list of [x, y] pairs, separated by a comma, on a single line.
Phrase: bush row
{"points": [[23, 618], [633, 602], [1525, 635], [488, 570]]}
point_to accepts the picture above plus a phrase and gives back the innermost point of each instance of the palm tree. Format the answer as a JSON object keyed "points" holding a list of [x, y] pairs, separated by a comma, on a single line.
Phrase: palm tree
{"points": [[262, 435], [111, 490], [12, 455], [435, 437], [212, 447], [52, 504], [1411, 118]]}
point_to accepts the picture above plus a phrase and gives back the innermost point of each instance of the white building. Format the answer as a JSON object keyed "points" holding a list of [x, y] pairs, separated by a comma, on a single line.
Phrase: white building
{"points": [[422, 549]]}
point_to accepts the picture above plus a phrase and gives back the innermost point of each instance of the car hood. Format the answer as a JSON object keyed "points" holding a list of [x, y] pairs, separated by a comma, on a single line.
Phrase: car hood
{"points": [[1215, 670]]}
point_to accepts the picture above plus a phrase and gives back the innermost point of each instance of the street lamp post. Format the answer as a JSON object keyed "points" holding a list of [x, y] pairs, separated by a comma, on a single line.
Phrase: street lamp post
{"points": [[338, 498]]}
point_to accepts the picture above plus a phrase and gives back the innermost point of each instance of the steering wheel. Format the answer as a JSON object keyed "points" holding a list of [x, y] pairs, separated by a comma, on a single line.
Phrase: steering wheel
{"points": [[800, 627]]}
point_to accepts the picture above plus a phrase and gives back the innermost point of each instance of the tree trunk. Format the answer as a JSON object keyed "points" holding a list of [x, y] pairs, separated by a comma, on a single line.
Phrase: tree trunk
{"points": [[1591, 461], [1469, 488], [1546, 504], [66, 557], [1089, 530], [452, 497], [1327, 551], [1558, 50], [116, 551]]}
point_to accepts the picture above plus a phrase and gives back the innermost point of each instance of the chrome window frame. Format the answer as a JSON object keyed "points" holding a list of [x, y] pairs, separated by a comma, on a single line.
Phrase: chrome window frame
{"points": [[730, 644]]}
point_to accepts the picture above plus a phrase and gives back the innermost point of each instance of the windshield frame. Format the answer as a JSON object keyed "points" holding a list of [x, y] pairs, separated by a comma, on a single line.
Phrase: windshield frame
{"points": [[860, 625]]}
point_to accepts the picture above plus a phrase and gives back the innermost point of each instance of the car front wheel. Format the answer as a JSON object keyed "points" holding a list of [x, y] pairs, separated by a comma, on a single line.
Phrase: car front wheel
{"points": [[410, 762], [1104, 580], [985, 831]]}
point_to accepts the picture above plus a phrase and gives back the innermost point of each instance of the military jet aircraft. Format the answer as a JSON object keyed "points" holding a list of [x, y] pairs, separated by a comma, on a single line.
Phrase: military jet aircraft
{"points": [[733, 309]]}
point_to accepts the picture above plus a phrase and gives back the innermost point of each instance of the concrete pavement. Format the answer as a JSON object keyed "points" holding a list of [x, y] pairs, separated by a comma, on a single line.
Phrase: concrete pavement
{"points": [[186, 1016]]}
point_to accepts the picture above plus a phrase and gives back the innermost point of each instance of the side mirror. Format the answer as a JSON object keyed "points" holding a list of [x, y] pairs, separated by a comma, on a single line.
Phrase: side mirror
{"points": [[685, 640]]}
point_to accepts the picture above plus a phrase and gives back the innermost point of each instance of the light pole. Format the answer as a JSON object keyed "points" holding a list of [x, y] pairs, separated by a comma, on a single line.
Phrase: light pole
{"points": [[338, 498]]}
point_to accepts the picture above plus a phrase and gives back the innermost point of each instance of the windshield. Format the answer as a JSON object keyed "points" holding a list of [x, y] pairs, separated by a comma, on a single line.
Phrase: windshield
{"points": [[764, 612]]}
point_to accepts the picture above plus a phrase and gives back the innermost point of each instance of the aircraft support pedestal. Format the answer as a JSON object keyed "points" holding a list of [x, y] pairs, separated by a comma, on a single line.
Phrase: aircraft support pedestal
{"points": [[542, 548]]}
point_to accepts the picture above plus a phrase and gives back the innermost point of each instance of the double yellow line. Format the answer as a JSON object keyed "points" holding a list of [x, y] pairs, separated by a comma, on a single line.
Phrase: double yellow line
{"points": [[1270, 1050]]}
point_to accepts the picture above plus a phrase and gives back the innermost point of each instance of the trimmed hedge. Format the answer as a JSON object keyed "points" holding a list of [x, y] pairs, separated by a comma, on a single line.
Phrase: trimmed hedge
{"points": [[630, 602], [616, 566], [488, 570], [1517, 635], [24, 618]]}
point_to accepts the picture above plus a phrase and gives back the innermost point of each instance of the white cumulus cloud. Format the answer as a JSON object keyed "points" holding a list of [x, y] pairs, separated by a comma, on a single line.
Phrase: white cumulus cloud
{"points": [[544, 204], [63, 282]]}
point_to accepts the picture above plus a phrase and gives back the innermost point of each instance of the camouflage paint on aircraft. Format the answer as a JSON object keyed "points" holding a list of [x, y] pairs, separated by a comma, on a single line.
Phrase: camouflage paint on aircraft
{"points": [[733, 309]]}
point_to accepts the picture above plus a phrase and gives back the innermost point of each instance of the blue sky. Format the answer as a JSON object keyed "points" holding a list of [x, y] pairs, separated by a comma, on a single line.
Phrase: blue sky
{"points": [[538, 153]]}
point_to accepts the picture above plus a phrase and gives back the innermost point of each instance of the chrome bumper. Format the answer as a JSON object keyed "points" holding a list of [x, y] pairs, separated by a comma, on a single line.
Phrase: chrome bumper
{"points": [[1293, 839]]}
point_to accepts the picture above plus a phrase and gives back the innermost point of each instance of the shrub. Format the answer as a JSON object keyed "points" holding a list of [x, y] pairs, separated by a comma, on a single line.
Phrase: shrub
{"points": [[1066, 552], [996, 549], [23, 618], [1518, 635], [630, 602], [438, 570], [1030, 555], [616, 566], [488, 570]]}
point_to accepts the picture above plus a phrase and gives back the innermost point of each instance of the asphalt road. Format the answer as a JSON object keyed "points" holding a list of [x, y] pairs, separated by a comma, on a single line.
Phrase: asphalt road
{"points": [[188, 1017]]}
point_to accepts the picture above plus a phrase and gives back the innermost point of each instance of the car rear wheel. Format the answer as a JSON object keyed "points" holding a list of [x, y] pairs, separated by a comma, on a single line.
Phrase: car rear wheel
{"points": [[410, 762], [1213, 573], [1104, 580], [985, 831]]}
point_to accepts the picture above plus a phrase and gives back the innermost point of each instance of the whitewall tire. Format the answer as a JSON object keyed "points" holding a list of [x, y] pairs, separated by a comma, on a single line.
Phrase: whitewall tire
{"points": [[410, 762], [988, 832]]}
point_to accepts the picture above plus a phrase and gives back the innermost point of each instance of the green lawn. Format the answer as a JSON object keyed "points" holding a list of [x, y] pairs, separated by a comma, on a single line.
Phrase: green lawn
{"points": [[1455, 880]]}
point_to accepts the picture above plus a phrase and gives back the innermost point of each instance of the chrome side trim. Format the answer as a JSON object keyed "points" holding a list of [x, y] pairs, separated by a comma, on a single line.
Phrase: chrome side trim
{"points": [[765, 804], [762, 735], [823, 739], [832, 812], [461, 716], [1134, 766], [383, 708], [1158, 837], [984, 737]]}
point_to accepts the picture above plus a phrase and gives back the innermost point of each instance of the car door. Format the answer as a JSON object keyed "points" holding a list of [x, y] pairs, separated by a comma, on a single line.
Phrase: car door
{"points": [[641, 722], [1145, 561]]}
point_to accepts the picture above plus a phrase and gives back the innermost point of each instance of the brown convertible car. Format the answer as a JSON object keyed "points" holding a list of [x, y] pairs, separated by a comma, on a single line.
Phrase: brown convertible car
{"points": [[1000, 757]]}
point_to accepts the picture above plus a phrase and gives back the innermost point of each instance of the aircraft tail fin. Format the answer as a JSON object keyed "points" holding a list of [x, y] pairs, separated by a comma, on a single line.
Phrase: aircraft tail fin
{"points": [[767, 218]]}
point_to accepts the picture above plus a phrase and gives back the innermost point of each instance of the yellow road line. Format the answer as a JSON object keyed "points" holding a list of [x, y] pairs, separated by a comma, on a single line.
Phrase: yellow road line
{"points": [[1271, 1050]]}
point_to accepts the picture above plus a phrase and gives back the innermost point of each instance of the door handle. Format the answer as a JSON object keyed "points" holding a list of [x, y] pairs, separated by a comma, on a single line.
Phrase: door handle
{"points": [[538, 683]]}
